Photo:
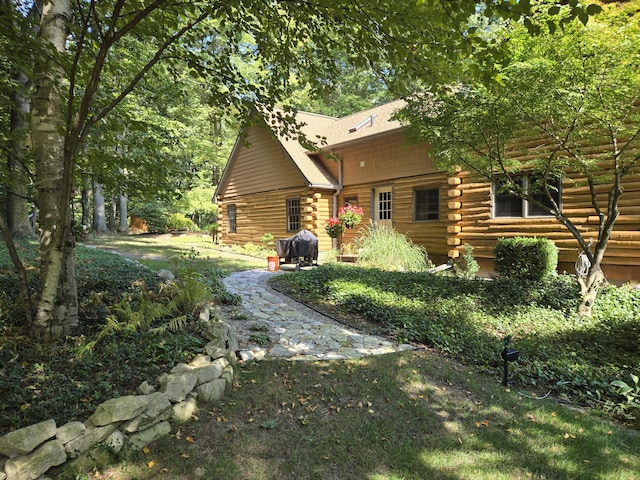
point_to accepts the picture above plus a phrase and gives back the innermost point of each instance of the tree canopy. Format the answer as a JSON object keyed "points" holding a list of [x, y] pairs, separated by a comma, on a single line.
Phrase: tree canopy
{"points": [[573, 94], [90, 62]]}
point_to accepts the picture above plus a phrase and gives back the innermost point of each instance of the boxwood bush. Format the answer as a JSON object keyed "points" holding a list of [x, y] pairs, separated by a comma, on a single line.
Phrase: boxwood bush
{"points": [[525, 258]]}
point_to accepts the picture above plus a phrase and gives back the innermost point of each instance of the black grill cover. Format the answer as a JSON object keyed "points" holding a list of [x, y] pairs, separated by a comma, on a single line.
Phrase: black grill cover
{"points": [[303, 244]]}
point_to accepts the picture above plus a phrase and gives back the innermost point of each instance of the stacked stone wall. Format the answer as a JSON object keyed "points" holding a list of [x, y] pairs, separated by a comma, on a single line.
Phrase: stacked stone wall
{"points": [[128, 422]]}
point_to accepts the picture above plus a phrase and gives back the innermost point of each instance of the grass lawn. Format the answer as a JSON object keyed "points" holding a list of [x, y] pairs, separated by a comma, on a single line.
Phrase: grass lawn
{"points": [[412, 415], [156, 250]]}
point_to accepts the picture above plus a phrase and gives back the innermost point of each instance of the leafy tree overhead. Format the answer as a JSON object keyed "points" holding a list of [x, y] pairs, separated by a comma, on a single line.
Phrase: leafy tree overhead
{"points": [[571, 91], [80, 43]]}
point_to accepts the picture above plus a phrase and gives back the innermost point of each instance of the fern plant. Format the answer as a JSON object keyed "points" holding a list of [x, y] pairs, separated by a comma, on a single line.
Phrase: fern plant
{"points": [[167, 309]]}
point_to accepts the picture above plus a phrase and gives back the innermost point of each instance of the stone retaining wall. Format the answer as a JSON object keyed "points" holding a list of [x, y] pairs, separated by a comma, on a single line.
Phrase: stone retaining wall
{"points": [[128, 422]]}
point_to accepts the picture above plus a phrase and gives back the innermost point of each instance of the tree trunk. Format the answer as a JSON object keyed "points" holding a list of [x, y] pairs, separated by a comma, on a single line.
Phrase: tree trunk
{"points": [[57, 310], [86, 203], [124, 216], [18, 207], [18, 211], [113, 213], [589, 288], [99, 214]]}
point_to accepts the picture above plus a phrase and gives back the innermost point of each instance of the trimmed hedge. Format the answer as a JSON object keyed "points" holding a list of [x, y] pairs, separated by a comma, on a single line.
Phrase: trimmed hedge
{"points": [[525, 258]]}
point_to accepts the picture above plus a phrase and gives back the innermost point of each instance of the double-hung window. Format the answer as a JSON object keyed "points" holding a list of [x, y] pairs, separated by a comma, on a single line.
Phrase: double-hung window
{"points": [[506, 205], [293, 214], [426, 204]]}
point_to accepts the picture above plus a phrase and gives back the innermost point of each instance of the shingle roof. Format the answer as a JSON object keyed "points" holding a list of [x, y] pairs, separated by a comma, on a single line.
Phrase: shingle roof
{"points": [[364, 124], [327, 132]]}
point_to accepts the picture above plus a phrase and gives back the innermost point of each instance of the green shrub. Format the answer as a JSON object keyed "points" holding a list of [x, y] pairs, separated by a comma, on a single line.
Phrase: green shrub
{"points": [[381, 246], [466, 266], [155, 215], [177, 221], [525, 258]]}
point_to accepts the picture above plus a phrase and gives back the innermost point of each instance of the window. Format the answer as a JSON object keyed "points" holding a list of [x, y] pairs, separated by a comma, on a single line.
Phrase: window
{"points": [[293, 214], [383, 204], [426, 204], [352, 201], [231, 219], [507, 205]]}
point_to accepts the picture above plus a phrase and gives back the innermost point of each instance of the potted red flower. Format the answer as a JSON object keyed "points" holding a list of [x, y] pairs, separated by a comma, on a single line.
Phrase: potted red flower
{"points": [[350, 216]]}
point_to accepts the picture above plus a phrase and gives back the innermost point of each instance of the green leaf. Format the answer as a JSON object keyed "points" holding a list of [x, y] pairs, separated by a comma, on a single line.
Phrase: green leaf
{"points": [[594, 9], [583, 17], [554, 10]]}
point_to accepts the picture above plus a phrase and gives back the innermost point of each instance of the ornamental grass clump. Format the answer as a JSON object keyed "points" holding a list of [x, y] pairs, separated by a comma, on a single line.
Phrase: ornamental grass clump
{"points": [[381, 246]]}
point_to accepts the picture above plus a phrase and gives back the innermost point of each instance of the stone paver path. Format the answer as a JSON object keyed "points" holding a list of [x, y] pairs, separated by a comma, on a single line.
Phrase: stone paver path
{"points": [[302, 334]]}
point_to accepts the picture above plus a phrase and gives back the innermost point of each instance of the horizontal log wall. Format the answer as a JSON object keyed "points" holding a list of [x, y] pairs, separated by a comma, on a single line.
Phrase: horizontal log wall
{"points": [[476, 227], [266, 212], [262, 166], [430, 234]]}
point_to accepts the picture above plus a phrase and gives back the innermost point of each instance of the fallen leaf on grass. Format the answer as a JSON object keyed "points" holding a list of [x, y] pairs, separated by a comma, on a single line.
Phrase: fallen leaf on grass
{"points": [[190, 439], [145, 450], [185, 456], [303, 420], [151, 464]]}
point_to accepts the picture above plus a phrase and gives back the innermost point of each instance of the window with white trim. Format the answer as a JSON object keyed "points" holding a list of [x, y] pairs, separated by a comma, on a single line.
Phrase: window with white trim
{"points": [[506, 205]]}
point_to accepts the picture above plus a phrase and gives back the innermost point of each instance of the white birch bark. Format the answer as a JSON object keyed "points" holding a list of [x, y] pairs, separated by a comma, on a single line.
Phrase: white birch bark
{"points": [[57, 310]]}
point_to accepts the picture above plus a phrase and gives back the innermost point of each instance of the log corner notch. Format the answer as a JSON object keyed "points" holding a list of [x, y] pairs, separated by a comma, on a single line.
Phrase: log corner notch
{"points": [[454, 205]]}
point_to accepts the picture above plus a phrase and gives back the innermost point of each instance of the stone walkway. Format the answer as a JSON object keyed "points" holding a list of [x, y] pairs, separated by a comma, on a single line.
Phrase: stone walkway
{"points": [[300, 332]]}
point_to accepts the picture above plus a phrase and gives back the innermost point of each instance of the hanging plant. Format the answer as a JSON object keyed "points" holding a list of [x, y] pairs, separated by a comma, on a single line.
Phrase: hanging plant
{"points": [[334, 227], [350, 216]]}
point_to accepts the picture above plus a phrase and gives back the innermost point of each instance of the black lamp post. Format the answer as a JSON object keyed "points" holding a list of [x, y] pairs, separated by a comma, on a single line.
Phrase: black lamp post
{"points": [[508, 355]]}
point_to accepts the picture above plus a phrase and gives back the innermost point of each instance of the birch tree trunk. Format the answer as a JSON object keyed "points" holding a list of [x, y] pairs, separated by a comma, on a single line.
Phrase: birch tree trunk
{"points": [[57, 309]]}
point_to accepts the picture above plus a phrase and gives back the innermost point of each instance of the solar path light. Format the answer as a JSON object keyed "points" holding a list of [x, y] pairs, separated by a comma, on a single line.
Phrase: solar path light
{"points": [[508, 355]]}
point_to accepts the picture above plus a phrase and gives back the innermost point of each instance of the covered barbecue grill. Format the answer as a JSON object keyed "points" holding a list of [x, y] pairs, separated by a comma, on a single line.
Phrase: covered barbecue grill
{"points": [[302, 249]]}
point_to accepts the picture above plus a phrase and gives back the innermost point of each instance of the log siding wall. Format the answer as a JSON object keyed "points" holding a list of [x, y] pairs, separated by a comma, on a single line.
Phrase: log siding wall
{"points": [[263, 166], [266, 212], [263, 178], [474, 224]]}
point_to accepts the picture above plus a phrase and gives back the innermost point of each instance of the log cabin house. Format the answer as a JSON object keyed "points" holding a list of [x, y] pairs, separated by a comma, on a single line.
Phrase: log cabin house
{"points": [[272, 184]]}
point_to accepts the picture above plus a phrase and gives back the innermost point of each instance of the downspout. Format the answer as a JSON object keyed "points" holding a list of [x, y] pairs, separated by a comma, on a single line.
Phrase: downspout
{"points": [[334, 241]]}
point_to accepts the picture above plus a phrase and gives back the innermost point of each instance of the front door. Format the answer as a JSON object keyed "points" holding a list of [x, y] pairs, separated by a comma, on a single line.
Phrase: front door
{"points": [[382, 206]]}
